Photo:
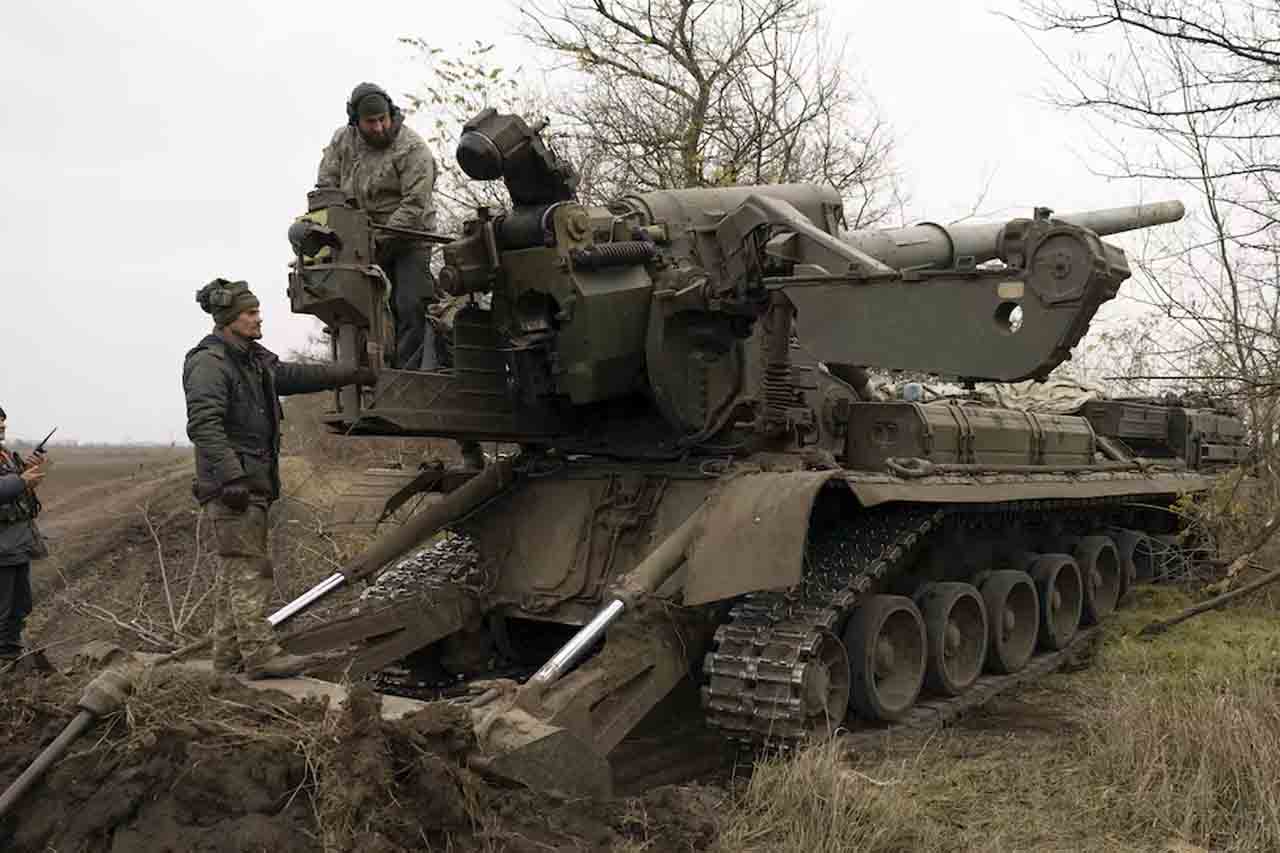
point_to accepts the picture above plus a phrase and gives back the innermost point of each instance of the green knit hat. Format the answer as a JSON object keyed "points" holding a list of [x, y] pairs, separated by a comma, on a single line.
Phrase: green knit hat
{"points": [[226, 300]]}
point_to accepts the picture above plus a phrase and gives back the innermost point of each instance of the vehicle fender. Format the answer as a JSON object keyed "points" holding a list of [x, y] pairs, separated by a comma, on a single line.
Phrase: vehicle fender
{"points": [[754, 535]]}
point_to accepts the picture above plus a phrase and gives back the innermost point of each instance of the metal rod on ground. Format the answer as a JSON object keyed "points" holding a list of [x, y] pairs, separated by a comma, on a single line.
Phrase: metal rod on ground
{"points": [[397, 541], [646, 577], [45, 760], [1162, 625], [105, 694]]}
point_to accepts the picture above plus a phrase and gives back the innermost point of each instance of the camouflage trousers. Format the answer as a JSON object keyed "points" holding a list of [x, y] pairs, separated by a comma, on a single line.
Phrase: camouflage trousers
{"points": [[245, 582]]}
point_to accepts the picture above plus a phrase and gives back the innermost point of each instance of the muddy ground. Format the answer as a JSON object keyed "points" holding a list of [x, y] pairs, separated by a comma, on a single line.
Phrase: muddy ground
{"points": [[197, 763], [203, 764]]}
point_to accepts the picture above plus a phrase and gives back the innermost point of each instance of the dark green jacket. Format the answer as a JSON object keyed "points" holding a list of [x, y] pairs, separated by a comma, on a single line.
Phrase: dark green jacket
{"points": [[234, 412], [18, 509]]}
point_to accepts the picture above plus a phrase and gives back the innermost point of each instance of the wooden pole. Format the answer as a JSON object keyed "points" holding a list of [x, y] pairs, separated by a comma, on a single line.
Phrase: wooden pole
{"points": [[1162, 625]]}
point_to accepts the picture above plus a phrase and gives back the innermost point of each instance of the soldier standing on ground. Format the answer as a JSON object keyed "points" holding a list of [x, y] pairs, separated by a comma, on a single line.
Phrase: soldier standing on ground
{"points": [[20, 543], [388, 171], [232, 385]]}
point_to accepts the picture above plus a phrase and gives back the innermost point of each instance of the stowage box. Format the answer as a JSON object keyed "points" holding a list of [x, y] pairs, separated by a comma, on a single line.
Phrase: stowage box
{"points": [[1129, 421], [1204, 437], [966, 433]]}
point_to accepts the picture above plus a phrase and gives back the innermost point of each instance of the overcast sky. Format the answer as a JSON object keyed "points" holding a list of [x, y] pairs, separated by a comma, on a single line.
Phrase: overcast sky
{"points": [[149, 147]]}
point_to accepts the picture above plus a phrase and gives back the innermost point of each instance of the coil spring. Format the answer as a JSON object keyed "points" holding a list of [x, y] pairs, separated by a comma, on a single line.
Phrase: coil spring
{"points": [[620, 254], [779, 396]]}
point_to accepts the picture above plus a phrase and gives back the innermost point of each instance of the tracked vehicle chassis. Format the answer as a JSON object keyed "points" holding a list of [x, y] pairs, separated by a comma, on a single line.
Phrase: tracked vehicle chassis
{"points": [[772, 668], [755, 675]]}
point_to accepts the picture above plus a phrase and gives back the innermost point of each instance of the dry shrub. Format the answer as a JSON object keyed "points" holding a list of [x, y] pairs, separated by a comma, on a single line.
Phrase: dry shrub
{"points": [[1232, 509], [1235, 517], [815, 803]]}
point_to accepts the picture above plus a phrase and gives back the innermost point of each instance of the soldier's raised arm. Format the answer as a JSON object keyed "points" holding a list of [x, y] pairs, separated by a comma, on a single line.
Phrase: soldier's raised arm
{"points": [[294, 378]]}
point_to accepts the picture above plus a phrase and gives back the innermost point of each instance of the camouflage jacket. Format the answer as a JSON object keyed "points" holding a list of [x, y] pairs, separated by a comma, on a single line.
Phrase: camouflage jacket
{"points": [[19, 541], [393, 184], [234, 412]]}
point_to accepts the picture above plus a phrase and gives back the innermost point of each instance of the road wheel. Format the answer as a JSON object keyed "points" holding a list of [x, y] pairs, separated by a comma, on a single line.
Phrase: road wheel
{"points": [[1135, 560], [886, 643], [1061, 594], [825, 690], [1013, 617], [1100, 571], [955, 623]]}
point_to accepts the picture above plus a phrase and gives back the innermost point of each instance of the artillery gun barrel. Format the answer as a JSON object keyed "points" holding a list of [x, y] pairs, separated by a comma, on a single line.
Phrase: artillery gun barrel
{"points": [[1116, 220], [930, 245]]}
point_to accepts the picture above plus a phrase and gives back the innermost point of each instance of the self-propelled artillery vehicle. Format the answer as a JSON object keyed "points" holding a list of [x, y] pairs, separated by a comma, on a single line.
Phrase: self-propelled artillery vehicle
{"points": [[707, 489]]}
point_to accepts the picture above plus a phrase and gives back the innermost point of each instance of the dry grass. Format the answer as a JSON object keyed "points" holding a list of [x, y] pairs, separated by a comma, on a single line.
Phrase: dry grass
{"points": [[1204, 766], [1170, 744], [817, 803]]}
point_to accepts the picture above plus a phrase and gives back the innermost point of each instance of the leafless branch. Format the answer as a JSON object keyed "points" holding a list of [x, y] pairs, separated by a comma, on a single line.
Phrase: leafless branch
{"points": [[164, 576], [102, 614], [1197, 83], [662, 94]]}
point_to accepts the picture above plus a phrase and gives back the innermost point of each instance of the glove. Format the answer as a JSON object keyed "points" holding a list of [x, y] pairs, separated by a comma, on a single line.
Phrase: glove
{"points": [[235, 495]]}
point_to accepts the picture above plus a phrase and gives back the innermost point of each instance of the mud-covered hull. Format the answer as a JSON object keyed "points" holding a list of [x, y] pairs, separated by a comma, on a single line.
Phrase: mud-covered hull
{"points": [[758, 606], [550, 546]]}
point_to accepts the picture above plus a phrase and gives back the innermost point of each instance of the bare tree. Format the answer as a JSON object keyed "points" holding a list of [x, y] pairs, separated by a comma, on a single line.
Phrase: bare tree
{"points": [[459, 85], [1189, 91], [698, 93]]}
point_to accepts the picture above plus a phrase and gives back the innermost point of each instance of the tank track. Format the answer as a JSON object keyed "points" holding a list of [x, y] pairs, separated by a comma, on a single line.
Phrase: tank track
{"points": [[755, 672], [451, 559]]}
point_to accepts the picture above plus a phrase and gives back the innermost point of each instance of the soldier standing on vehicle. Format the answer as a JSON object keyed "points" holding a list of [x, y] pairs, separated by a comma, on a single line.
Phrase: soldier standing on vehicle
{"points": [[232, 385], [386, 169], [20, 543]]}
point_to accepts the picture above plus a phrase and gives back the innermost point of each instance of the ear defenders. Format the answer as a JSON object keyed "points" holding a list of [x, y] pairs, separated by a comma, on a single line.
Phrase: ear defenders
{"points": [[218, 294], [362, 91]]}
